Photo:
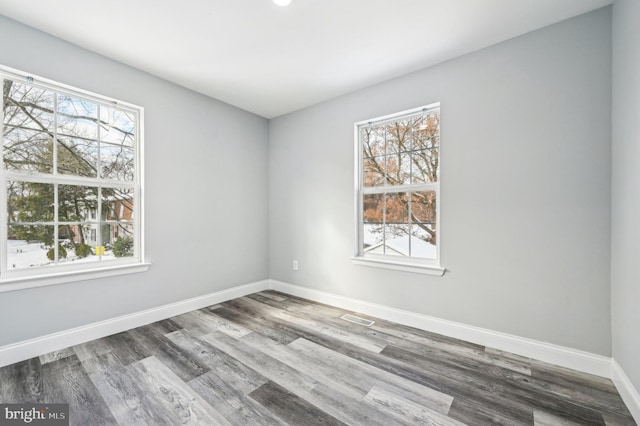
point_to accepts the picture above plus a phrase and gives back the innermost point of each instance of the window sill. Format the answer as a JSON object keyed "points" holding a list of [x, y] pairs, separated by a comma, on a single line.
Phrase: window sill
{"points": [[399, 266], [21, 283]]}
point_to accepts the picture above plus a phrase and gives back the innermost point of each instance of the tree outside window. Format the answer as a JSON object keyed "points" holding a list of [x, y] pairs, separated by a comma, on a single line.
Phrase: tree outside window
{"points": [[398, 186], [70, 176]]}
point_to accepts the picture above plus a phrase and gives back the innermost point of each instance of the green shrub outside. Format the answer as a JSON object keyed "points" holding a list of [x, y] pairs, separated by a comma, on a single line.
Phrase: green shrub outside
{"points": [[62, 253], [83, 250], [123, 247]]}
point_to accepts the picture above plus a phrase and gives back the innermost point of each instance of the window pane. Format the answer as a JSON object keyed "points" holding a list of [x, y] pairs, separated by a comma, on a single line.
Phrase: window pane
{"points": [[398, 169], [423, 214], [423, 207], [117, 126], [372, 208], [427, 131], [26, 106], [117, 239], [399, 136], [30, 202], [78, 243], [396, 208], [77, 117], [76, 234], [117, 204], [372, 141], [425, 166], [372, 238], [76, 203], [426, 147], [373, 171], [77, 157], [116, 163], [29, 246], [423, 241], [90, 233], [27, 150], [396, 240]]}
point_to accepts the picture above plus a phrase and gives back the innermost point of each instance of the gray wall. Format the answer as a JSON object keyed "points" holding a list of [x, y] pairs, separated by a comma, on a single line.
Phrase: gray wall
{"points": [[525, 191], [205, 171], [525, 187], [625, 220]]}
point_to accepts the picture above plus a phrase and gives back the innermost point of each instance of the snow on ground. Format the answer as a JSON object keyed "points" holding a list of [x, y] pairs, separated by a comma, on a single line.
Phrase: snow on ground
{"points": [[397, 245], [22, 254]]}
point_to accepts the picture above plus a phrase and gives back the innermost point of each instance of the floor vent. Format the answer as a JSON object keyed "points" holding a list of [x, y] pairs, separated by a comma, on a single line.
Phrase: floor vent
{"points": [[357, 320]]}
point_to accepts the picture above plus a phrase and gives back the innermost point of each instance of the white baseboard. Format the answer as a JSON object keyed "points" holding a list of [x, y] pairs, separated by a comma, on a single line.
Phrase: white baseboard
{"points": [[52, 342], [627, 391], [559, 355], [547, 352]]}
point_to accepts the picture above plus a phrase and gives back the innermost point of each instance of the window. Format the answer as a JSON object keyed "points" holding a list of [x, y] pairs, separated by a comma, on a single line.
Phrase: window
{"points": [[398, 190], [70, 181]]}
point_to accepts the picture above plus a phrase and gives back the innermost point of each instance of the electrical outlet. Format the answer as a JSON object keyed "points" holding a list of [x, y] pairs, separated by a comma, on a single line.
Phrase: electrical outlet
{"points": [[295, 265]]}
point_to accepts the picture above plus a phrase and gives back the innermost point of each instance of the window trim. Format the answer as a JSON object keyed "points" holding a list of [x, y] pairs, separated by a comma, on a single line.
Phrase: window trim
{"points": [[27, 278], [407, 264], [58, 277], [376, 262]]}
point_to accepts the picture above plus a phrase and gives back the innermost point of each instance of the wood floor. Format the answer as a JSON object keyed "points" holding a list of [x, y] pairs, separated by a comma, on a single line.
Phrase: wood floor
{"points": [[273, 359]]}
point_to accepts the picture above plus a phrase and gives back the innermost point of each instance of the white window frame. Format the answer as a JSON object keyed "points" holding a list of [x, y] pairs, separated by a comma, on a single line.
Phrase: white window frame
{"points": [[407, 264], [63, 273]]}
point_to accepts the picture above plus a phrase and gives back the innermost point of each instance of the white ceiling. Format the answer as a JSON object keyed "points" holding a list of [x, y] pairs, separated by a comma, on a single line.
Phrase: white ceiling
{"points": [[272, 60]]}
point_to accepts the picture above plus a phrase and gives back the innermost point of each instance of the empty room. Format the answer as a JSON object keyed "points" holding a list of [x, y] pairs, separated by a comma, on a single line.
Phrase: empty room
{"points": [[320, 212]]}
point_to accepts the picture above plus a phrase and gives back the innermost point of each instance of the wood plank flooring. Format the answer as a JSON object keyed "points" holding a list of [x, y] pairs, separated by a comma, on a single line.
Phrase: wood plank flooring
{"points": [[275, 359]]}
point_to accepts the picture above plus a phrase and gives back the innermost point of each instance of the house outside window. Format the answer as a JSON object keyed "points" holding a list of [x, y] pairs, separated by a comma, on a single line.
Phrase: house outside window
{"points": [[70, 180], [398, 190]]}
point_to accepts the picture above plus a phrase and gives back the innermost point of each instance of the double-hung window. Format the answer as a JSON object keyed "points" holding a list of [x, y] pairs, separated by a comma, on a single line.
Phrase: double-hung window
{"points": [[70, 182], [398, 190]]}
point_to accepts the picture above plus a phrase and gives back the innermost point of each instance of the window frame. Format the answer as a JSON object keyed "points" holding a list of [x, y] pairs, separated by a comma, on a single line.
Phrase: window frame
{"points": [[68, 272], [407, 264]]}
